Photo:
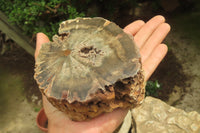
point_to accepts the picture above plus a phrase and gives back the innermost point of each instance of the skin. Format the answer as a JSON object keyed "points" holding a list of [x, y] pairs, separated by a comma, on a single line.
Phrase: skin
{"points": [[148, 37]]}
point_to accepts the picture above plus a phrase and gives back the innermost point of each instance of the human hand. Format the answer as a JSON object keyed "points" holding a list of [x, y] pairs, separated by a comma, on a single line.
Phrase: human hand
{"points": [[148, 37]]}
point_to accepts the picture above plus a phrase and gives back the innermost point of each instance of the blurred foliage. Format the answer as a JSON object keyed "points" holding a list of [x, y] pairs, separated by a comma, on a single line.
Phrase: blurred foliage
{"points": [[36, 109], [45, 15], [39, 15], [152, 88]]}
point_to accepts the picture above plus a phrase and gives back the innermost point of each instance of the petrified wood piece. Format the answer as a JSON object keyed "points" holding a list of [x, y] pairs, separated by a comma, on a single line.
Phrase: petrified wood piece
{"points": [[91, 67]]}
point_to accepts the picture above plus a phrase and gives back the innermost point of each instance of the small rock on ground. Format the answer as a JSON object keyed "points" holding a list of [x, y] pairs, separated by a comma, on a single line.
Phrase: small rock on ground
{"points": [[155, 116]]}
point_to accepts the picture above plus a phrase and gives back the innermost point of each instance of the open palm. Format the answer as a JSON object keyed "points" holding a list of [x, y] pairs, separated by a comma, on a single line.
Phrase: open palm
{"points": [[148, 37]]}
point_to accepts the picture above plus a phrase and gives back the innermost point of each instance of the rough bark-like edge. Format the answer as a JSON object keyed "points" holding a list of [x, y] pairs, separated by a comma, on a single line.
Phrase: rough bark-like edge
{"points": [[127, 93]]}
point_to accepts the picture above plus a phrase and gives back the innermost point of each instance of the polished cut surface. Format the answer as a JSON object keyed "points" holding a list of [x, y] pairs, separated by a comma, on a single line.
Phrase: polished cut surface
{"points": [[86, 62]]}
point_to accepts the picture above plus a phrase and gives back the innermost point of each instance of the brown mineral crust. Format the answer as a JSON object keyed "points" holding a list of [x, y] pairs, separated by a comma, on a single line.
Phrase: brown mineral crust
{"points": [[90, 68], [127, 93]]}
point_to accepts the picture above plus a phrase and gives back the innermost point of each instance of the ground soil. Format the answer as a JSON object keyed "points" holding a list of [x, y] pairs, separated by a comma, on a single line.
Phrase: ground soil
{"points": [[19, 61], [20, 99], [169, 73]]}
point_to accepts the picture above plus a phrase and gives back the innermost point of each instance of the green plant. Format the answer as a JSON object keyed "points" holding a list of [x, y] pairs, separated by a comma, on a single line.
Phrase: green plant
{"points": [[36, 109], [45, 15], [39, 15], [152, 88]]}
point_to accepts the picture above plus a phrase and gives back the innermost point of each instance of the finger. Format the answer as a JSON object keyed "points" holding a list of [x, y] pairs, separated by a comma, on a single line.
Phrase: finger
{"points": [[111, 121], [40, 39], [148, 29], [155, 58], [48, 107], [134, 27], [155, 39], [106, 122]]}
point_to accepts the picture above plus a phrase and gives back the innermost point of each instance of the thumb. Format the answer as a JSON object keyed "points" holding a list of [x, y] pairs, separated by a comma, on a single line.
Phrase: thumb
{"points": [[40, 39]]}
